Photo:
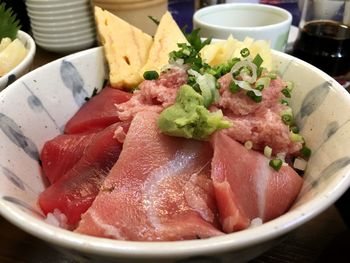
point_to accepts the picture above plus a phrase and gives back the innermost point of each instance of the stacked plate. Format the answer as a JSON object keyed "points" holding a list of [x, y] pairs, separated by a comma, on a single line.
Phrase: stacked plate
{"points": [[62, 25], [136, 12]]}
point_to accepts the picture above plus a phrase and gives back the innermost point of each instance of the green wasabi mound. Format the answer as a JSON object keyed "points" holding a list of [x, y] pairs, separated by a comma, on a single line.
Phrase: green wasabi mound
{"points": [[189, 118]]}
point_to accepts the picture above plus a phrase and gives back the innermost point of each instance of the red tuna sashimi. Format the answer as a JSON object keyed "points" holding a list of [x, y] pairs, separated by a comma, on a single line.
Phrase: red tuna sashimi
{"points": [[60, 154], [98, 113], [159, 189], [246, 187], [74, 192]]}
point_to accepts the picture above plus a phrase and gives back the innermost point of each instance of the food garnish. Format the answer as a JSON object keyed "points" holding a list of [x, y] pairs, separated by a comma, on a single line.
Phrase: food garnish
{"points": [[167, 36], [276, 164], [9, 25], [131, 52], [189, 118], [150, 75], [126, 52], [305, 151], [12, 50]]}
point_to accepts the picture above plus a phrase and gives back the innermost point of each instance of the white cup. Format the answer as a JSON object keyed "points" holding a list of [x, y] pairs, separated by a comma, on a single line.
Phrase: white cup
{"points": [[241, 20]]}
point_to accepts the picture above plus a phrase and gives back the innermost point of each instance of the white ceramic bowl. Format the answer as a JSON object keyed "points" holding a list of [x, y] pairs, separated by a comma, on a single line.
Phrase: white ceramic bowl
{"points": [[66, 41], [127, 4], [65, 37], [49, 6], [68, 47], [60, 22], [55, 1], [55, 24], [324, 126], [73, 28], [62, 26], [257, 21], [59, 12], [122, 1], [25, 64]]}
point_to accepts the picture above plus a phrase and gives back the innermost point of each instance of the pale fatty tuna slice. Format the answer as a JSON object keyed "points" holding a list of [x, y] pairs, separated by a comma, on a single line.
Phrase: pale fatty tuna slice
{"points": [[159, 189], [246, 187]]}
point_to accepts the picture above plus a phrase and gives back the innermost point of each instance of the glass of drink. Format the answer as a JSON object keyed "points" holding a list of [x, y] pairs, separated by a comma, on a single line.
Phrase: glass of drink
{"points": [[324, 35]]}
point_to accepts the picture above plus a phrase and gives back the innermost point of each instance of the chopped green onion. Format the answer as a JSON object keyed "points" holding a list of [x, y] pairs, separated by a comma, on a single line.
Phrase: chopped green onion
{"points": [[251, 94], [234, 88], [287, 119], [225, 68], [289, 86], [188, 55], [245, 52], [235, 74], [246, 86], [267, 151], [276, 164], [305, 151], [260, 87], [287, 116], [260, 71], [286, 92], [262, 83], [212, 71], [258, 60], [285, 102], [294, 129], [187, 52], [191, 80], [272, 75], [246, 70], [150, 75], [231, 63], [296, 137]]}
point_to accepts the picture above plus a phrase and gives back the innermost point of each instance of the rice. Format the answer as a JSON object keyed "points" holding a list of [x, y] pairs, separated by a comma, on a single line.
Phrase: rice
{"points": [[255, 222], [57, 218]]}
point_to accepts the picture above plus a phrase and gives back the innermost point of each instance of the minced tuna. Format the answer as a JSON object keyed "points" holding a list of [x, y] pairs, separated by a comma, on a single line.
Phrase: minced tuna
{"points": [[154, 95], [260, 123]]}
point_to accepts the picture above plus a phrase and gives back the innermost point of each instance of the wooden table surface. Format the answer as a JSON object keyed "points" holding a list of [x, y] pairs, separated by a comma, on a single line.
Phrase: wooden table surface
{"points": [[324, 239]]}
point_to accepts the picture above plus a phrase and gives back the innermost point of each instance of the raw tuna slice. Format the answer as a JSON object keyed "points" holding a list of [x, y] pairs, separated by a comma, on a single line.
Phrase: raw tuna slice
{"points": [[74, 192], [98, 113], [246, 187], [60, 154], [159, 189]]}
